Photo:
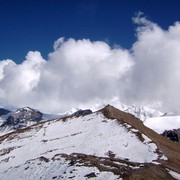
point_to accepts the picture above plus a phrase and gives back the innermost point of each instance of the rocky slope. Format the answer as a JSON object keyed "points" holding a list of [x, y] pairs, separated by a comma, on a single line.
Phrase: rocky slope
{"points": [[173, 135], [108, 144]]}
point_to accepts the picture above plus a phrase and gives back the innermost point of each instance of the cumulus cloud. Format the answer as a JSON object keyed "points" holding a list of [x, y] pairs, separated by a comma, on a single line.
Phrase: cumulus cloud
{"points": [[76, 73], [82, 73], [155, 75], [18, 81]]}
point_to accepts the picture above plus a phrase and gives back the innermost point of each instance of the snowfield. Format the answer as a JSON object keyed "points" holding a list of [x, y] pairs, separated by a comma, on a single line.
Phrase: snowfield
{"points": [[93, 135]]}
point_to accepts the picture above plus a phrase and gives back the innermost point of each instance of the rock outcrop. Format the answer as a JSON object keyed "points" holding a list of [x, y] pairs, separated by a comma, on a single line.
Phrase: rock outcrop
{"points": [[173, 135], [82, 112]]}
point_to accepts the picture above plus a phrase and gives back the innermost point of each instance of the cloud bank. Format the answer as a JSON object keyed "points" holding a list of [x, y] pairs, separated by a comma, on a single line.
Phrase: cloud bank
{"points": [[82, 73]]}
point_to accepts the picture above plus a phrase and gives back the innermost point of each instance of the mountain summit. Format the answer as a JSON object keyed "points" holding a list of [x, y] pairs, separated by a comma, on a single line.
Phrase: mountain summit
{"points": [[22, 116], [107, 144]]}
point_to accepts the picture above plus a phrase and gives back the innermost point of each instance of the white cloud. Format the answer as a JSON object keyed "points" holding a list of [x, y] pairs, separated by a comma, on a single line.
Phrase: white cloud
{"points": [[77, 73], [3, 65], [83, 73], [58, 43], [155, 75], [18, 81]]}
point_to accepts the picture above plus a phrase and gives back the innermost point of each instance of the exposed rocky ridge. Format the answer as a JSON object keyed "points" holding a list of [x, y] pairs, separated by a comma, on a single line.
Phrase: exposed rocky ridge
{"points": [[81, 112]]}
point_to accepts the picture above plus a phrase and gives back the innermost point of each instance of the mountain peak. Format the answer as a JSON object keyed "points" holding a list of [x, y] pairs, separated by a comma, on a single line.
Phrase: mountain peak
{"points": [[22, 116]]}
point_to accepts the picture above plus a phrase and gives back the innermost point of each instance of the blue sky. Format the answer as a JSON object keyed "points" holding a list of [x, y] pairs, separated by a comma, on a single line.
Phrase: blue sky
{"points": [[35, 24]]}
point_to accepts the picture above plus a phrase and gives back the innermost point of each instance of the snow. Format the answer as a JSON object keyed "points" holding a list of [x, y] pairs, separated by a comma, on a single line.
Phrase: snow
{"points": [[142, 112], [1, 121], [54, 170], [92, 135], [174, 174], [5, 130], [71, 111], [160, 124], [164, 158]]}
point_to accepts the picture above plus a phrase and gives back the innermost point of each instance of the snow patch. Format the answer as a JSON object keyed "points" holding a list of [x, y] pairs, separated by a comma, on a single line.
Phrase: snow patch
{"points": [[174, 174]]}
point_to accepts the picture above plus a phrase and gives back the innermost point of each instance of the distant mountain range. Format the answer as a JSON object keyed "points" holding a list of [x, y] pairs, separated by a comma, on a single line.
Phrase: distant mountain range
{"points": [[81, 144], [24, 117]]}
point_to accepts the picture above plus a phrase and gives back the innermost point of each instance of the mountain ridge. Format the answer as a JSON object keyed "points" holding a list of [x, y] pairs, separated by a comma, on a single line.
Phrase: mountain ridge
{"points": [[112, 130], [162, 142]]}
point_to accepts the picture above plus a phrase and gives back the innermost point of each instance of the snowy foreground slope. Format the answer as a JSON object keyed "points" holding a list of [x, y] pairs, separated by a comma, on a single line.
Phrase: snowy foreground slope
{"points": [[108, 144]]}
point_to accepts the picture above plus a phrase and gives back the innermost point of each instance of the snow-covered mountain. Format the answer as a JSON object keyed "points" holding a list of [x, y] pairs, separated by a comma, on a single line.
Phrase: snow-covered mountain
{"points": [[11, 120], [107, 144], [141, 112], [24, 117], [21, 118]]}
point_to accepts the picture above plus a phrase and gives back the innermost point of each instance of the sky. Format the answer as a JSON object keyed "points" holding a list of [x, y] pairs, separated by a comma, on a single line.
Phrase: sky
{"points": [[59, 54], [35, 24]]}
